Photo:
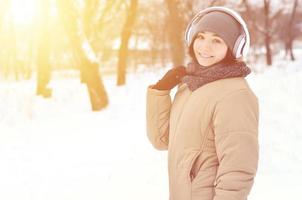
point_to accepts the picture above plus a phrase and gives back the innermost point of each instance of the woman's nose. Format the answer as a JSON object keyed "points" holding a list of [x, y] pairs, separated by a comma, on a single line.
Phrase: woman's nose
{"points": [[206, 45]]}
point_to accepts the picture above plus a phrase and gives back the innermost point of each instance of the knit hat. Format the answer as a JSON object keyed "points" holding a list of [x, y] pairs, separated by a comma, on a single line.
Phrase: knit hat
{"points": [[224, 25]]}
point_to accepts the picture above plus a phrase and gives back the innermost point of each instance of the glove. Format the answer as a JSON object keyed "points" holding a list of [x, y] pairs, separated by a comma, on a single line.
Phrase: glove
{"points": [[171, 78]]}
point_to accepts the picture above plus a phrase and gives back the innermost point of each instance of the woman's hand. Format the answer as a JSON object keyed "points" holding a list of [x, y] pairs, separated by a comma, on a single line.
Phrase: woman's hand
{"points": [[171, 78]]}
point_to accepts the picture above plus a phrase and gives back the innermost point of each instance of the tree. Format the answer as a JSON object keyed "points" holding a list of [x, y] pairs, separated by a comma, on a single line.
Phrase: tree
{"points": [[175, 26], [125, 36], [268, 27], [267, 33], [289, 38], [9, 41], [88, 68], [43, 51]]}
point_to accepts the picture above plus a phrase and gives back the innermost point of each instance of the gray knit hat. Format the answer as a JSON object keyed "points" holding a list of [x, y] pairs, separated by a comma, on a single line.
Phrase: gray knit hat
{"points": [[224, 25]]}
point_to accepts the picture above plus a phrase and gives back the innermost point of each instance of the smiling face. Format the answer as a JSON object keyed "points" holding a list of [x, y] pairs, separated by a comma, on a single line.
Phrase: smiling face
{"points": [[209, 48]]}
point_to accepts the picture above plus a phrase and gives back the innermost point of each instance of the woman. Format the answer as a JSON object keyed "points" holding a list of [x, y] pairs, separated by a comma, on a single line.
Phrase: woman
{"points": [[211, 128]]}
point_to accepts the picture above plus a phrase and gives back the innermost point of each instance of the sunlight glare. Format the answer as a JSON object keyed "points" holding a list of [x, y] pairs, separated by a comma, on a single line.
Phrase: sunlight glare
{"points": [[23, 11]]}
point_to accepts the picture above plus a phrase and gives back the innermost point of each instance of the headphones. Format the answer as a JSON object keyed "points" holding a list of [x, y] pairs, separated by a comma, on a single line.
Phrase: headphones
{"points": [[242, 43]]}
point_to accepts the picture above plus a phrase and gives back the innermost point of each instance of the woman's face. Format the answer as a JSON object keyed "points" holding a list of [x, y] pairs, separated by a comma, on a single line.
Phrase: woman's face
{"points": [[209, 48]]}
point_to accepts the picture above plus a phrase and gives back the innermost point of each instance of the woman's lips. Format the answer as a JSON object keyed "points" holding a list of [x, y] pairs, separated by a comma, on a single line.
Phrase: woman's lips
{"points": [[204, 55]]}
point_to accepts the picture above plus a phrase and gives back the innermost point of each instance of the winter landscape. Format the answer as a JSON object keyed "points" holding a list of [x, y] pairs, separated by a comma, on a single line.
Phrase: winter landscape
{"points": [[60, 61], [59, 149]]}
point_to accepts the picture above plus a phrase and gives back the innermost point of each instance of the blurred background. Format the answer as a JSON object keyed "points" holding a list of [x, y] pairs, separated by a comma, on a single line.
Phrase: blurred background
{"points": [[73, 80]]}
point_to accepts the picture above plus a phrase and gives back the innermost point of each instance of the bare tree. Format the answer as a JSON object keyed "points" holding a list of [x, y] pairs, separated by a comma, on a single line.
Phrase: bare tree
{"points": [[105, 17], [125, 36], [43, 51], [290, 36], [267, 33], [267, 30], [9, 40], [175, 27], [88, 68]]}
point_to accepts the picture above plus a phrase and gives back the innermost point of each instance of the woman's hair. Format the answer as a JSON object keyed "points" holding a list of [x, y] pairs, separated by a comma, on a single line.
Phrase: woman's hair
{"points": [[228, 59]]}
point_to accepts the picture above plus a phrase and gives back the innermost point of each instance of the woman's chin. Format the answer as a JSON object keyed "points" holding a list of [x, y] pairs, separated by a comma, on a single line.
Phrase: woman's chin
{"points": [[205, 63]]}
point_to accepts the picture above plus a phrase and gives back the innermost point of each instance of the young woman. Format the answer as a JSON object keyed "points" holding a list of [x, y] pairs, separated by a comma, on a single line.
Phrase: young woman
{"points": [[210, 129]]}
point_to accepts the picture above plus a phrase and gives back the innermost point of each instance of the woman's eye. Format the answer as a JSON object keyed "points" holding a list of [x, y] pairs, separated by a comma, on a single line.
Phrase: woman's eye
{"points": [[216, 41], [200, 37]]}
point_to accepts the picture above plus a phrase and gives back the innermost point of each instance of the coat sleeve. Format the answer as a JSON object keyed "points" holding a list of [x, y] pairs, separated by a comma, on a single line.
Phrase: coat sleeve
{"points": [[157, 116], [235, 123]]}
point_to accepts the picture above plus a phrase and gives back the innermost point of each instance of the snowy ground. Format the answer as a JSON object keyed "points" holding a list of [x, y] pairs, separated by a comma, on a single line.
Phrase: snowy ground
{"points": [[57, 149]]}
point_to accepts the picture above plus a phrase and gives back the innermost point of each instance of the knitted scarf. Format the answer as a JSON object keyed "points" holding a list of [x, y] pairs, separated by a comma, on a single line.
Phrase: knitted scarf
{"points": [[198, 75]]}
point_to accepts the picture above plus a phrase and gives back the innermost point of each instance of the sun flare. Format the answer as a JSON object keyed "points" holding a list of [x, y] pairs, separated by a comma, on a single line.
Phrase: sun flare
{"points": [[23, 11]]}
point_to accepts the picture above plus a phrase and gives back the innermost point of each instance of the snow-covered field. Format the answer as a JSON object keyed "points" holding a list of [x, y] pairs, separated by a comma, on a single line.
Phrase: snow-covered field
{"points": [[57, 149]]}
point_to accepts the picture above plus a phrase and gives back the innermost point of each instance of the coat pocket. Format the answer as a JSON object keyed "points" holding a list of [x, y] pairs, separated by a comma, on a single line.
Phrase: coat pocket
{"points": [[203, 162], [194, 166]]}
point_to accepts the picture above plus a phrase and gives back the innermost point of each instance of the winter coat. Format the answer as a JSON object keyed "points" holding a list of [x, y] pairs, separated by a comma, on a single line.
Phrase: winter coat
{"points": [[211, 136]]}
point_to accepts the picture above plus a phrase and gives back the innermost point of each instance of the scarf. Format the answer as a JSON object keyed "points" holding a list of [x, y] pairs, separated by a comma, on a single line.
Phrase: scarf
{"points": [[198, 75]]}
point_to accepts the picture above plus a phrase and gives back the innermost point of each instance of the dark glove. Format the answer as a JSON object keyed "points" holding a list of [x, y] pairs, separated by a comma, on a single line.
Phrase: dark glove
{"points": [[171, 78]]}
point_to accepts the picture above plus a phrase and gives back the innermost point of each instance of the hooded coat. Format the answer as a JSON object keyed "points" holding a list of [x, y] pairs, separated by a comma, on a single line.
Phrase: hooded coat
{"points": [[211, 135]]}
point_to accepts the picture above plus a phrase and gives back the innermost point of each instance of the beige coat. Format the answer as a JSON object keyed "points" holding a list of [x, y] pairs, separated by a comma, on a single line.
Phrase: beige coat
{"points": [[211, 136]]}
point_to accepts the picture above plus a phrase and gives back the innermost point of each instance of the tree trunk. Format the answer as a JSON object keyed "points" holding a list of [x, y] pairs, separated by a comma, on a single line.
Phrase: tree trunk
{"points": [[175, 32], [43, 62], [88, 68], [290, 35], [125, 37], [267, 33]]}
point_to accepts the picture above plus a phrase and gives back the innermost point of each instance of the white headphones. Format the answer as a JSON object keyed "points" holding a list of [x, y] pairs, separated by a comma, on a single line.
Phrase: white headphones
{"points": [[242, 43]]}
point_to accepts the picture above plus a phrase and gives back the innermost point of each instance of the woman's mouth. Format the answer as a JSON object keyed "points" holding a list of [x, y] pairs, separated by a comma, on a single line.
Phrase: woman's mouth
{"points": [[205, 55]]}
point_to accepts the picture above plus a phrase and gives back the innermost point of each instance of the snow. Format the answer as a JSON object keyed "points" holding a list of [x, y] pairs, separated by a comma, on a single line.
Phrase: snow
{"points": [[58, 149]]}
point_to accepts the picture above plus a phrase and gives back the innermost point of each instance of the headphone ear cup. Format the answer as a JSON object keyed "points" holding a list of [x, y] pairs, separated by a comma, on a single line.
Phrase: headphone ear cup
{"points": [[238, 46]]}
